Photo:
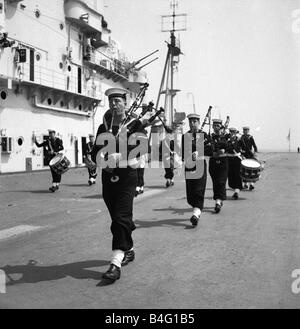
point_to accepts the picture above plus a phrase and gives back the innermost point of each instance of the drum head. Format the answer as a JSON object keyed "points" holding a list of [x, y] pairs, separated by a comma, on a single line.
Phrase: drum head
{"points": [[250, 163], [55, 160]]}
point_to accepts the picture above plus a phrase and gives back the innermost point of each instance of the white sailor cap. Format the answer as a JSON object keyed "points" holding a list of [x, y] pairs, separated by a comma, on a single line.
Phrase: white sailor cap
{"points": [[51, 131], [193, 116], [233, 129], [116, 92], [246, 128], [217, 121]]}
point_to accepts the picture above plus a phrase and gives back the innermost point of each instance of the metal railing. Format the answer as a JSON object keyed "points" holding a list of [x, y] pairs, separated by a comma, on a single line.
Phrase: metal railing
{"points": [[110, 63], [65, 81]]}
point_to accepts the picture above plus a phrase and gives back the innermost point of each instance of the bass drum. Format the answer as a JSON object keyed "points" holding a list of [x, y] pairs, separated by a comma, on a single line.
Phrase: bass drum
{"points": [[60, 164], [250, 170]]}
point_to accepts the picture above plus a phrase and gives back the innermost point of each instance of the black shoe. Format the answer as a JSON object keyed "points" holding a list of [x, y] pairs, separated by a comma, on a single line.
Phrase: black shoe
{"points": [[245, 187], [90, 183], [113, 273], [171, 183], [194, 220], [128, 257], [141, 191], [94, 182], [168, 184], [56, 187], [52, 188], [218, 207], [136, 193], [235, 196], [251, 187]]}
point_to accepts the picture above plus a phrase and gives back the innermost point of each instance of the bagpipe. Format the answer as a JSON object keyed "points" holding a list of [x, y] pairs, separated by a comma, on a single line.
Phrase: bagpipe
{"points": [[223, 131], [132, 122]]}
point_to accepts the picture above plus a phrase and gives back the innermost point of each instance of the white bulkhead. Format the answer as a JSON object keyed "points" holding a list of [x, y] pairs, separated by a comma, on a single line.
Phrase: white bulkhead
{"points": [[57, 58]]}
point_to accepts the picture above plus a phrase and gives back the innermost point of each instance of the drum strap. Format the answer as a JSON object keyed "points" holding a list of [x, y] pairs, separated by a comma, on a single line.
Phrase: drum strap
{"points": [[105, 123], [220, 156], [230, 155]]}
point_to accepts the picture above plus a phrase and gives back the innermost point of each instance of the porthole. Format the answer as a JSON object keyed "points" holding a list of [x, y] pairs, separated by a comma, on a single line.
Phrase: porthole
{"points": [[80, 107], [61, 65], [69, 68], [37, 13], [61, 26], [20, 141], [3, 94], [62, 104], [38, 56], [49, 101]]}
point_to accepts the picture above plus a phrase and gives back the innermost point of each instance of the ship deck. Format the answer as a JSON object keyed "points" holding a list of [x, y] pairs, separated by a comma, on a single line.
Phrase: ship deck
{"points": [[55, 247]]}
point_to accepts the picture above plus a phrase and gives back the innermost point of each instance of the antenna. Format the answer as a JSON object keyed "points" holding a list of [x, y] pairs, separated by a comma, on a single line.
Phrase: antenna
{"points": [[174, 22]]}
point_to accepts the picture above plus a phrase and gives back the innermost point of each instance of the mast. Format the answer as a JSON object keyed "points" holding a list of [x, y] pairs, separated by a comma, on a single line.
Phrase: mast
{"points": [[167, 82]]}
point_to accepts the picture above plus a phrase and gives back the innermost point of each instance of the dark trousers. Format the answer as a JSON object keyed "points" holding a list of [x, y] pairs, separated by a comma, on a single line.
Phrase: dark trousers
{"points": [[169, 173], [195, 190], [169, 167], [118, 198], [234, 178], [56, 178], [92, 173], [140, 177], [218, 170]]}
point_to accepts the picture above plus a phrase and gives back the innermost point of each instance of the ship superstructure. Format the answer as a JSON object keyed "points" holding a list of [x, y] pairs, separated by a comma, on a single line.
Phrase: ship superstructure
{"points": [[57, 58]]}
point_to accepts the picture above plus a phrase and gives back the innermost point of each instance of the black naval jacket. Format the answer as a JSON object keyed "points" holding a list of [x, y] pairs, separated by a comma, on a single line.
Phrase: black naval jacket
{"points": [[118, 195], [207, 145], [89, 147], [56, 145], [217, 143], [218, 165], [233, 144], [96, 148], [195, 187], [247, 143], [234, 162]]}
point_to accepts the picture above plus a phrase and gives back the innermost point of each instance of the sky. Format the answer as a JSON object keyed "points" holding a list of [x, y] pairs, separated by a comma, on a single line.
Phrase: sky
{"points": [[240, 56]]}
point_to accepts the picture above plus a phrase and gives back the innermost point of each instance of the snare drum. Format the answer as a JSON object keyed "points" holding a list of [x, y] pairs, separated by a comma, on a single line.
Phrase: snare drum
{"points": [[250, 170], [89, 163], [60, 164]]}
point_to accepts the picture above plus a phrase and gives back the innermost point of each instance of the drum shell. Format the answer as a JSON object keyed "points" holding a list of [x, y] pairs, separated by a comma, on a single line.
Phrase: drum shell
{"points": [[61, 166], [250, 174]]}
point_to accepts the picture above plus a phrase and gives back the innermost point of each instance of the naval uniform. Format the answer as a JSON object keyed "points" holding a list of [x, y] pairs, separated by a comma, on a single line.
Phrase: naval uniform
{"points": [[57, 145], [141, 169], [118, 196], [195, 187], [247, 146], [166, 150], [92, 172], [140, 176], [234, 162], [218, 166]]}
